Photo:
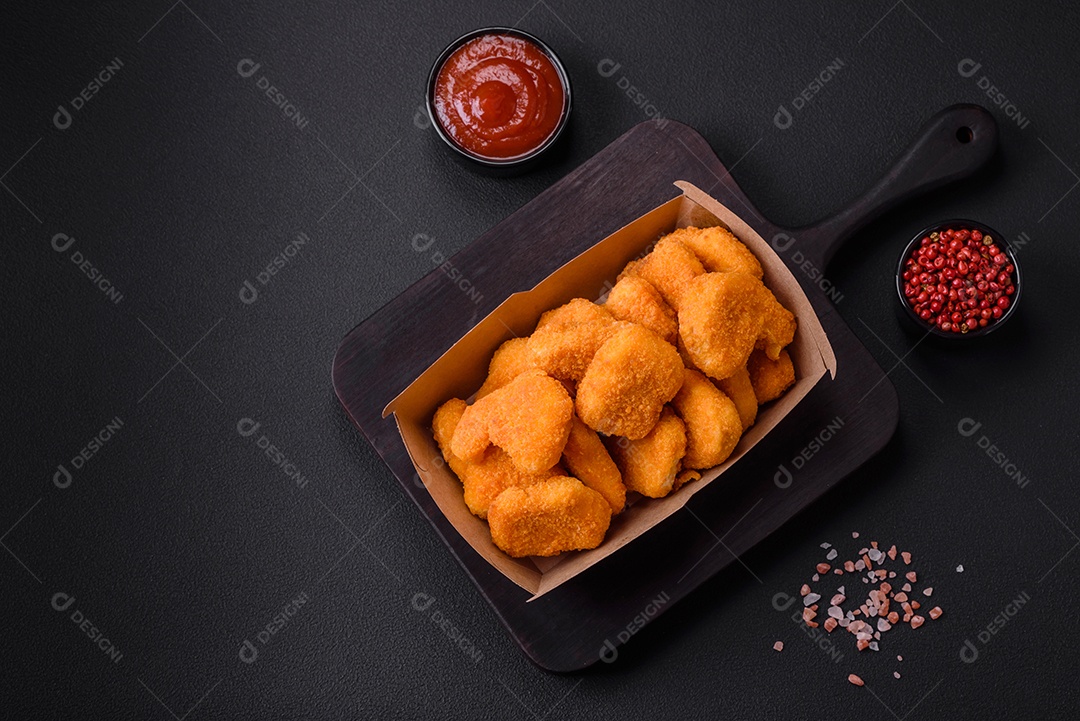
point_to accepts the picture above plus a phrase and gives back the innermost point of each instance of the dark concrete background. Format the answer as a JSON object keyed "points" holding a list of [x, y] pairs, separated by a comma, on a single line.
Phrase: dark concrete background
{"points": [[178, 180]]}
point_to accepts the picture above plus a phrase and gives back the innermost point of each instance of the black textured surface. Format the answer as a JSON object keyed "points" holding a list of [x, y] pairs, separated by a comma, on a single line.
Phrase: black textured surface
{"points": [[180, 538]]}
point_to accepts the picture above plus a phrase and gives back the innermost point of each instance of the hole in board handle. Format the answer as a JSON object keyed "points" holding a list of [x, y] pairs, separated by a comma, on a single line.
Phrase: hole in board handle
{"points": [[964, 134]]}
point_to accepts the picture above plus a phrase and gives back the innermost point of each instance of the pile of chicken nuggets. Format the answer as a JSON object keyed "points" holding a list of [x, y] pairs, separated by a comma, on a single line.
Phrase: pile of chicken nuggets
{"points": [[639, 394]]}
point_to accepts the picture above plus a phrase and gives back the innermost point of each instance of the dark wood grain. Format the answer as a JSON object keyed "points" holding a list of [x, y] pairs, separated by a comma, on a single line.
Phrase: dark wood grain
{"points": [[580, 622]]}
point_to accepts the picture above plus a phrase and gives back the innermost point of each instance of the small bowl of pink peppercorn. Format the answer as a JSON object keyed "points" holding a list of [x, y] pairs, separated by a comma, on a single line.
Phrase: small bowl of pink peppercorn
{"points": [[958, 279]]}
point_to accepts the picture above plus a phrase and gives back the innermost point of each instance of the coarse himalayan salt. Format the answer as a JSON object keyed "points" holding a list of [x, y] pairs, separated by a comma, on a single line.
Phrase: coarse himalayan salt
{"points": [[778, 646]]}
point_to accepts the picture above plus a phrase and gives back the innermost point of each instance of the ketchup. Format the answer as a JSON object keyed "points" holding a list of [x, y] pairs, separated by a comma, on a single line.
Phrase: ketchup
{"points": [[499, 96]]}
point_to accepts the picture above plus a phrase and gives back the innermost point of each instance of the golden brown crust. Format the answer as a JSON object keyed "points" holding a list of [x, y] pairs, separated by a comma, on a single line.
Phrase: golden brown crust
{"points": [[713, 426], [669, 267], [628, 382], [589, 462], [443, 426], [770, 378], [685, 476], [510, 360], [566, 338], [719, 250], [635, 300], [738, 388], [650, 465], [778, 328], [547, 518], [485, 479], [529, 418], [723, 318]]}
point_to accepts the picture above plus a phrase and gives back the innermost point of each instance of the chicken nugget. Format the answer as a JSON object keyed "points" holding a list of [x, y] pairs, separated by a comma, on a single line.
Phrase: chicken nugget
{"points": [[713, 425], [719, 250], [635, 300], [567, 338], [529, 418], [547, 518], [650, 465], [628, 382], [443, 426], [723, 317], [669, 267], [738, 388], [590, 463], [510, 360], [485, 479], [770, 378], [778, 329], [493, 474]]}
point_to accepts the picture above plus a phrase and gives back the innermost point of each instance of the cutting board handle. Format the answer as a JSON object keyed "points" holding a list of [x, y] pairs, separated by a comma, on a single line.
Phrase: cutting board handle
{"points": [[952, 145]]}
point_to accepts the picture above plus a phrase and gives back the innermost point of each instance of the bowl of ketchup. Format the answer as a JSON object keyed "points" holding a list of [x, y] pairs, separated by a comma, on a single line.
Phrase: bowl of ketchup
{"points": [[499, 97]]}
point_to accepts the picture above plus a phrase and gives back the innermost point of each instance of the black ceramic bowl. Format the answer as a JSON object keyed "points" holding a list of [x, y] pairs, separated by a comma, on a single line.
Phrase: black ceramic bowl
{"points": [[916, 324], [500, 166]]}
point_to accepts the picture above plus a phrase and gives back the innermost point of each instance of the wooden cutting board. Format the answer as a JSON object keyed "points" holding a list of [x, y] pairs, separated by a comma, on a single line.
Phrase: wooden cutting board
{"points": [[587, 618]]}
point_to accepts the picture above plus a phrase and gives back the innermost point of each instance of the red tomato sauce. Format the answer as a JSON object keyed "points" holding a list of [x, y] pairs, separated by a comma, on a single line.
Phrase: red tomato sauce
{"points": [[499, 96]]}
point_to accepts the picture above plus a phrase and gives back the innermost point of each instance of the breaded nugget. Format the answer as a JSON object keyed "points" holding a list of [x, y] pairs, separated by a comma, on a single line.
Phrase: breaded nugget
{"points": [[669, 267], [529, 418], [770, 378], [566, 338], [443, 426], [738, 388], [493, 474], [635, 300], [485, 479], [590, 463], [548, 518], [713, 426], [719, 250], [723, 317], [628, 382], [650, 465], [510, 360], [778, 330]]}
